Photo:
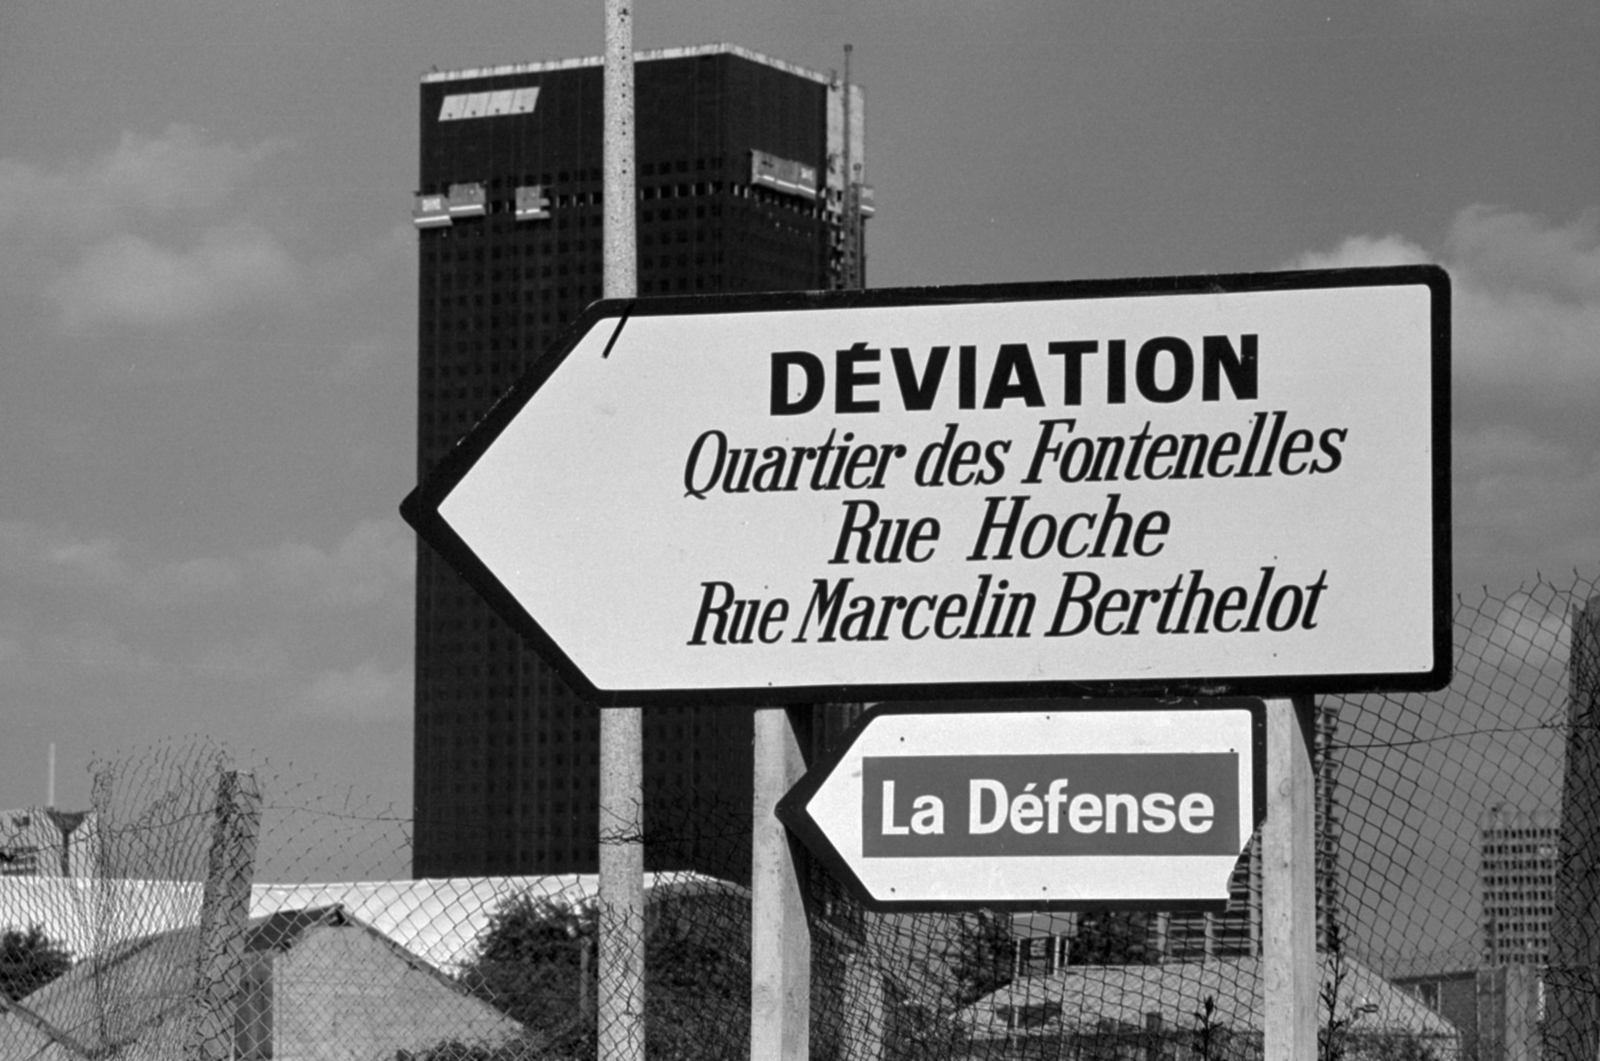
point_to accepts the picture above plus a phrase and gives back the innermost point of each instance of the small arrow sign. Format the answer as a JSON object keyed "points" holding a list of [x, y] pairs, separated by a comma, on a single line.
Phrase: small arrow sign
{"points": [[1128, 803], [1200, 485]]}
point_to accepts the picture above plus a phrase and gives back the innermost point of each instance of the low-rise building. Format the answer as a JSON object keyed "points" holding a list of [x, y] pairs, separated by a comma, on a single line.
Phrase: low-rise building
{"points": [[46, 842], [311, 978]]}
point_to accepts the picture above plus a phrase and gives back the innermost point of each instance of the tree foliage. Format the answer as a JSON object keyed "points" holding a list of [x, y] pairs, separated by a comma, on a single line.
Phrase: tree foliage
{"points": [[29, 959], [981, 956], [536, 963], [919, 1029], [1113, 937]]}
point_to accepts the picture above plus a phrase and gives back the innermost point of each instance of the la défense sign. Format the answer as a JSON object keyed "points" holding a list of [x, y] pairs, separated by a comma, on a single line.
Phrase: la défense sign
{"points": [[1111, 802]]}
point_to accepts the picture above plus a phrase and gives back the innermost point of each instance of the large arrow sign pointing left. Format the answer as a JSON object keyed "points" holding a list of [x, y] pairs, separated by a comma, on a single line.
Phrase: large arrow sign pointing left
{"points": [[1201, 485]]}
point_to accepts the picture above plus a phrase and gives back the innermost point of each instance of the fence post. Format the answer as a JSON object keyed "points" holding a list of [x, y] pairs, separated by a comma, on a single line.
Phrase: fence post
{"points": [[1573, 1023], [1288, 886], [780, 940], [225, 916]]}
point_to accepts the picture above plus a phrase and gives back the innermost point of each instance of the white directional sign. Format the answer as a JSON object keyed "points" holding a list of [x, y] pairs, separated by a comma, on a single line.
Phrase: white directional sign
{"points": [[1123, 803], [1204, 484]]}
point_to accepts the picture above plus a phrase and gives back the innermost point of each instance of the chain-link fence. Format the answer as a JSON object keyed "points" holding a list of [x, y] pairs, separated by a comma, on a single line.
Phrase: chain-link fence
{"points": [[1456, 898]]}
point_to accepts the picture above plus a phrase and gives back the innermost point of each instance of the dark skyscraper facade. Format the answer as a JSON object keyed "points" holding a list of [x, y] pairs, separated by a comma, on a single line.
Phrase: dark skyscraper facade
{"points": [[749, 177]]}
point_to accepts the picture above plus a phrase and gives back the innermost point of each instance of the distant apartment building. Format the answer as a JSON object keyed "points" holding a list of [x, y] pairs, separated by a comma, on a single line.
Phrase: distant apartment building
{"points": [[749, 174], [1046, 942], [1237, 933], [46, 842], [1517, 860], [1496, 1009]]}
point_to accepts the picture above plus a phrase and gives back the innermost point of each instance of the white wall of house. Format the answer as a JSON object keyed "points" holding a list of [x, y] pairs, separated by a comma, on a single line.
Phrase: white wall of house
{"points": [[342, 994]]}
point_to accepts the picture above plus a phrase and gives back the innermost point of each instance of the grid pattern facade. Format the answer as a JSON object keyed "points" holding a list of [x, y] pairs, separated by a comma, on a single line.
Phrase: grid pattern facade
{"points": [[1236, 933], [1045, 943], [509, 216], [1518, 856]]}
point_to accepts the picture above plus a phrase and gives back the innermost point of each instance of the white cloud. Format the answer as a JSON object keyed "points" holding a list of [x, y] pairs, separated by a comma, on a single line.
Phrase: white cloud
{"points": [[130, 280], [1489, 12], [1502, 449], [371, 563], [12, 653], [366, 692], [195, 579], [1525, 301], [153, 233], [1358, 251], [1505, 250], [1525, 364], [1522, 495], [363, 355], [94, 646], [1528, 304], [99, 563], [142, 179], [387, 258], [265, 657]]}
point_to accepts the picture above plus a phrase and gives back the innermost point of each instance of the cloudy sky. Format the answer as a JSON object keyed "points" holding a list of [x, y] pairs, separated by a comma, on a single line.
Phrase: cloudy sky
{"points": [[207, 284]]}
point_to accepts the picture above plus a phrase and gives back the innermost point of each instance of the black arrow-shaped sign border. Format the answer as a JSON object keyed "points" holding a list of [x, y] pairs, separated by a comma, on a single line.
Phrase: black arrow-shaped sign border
{"points": [[791, 809], [420, 509]]}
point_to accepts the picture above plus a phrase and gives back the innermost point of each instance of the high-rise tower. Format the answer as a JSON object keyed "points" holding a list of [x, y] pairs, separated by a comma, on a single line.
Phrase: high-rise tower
{"points": [[743, 186]]}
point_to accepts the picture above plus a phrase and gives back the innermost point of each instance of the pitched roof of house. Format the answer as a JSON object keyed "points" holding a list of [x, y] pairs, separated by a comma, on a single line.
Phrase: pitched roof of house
{"points": [[1087, 996], [137, 996]]}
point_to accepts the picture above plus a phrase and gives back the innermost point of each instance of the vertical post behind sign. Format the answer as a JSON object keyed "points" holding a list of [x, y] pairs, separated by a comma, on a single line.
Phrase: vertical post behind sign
{"points": [[621, 928], [1288, 886], [780, 943]]}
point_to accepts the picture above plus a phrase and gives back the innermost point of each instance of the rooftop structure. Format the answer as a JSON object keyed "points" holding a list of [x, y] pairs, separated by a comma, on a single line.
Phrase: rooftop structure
{"points": [[46, 842]]}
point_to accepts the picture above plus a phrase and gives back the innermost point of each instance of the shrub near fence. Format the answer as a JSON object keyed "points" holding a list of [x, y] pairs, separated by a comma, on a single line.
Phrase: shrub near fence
{"points": [[1420, 794]]}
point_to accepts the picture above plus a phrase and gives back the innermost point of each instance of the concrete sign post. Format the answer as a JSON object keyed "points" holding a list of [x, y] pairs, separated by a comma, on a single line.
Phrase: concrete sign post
{"points": [[1108, 803], [620, 1030], [1288, 886], [1203, 485]]}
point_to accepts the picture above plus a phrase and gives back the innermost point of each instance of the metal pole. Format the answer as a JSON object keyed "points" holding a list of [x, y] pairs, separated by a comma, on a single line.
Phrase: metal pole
{"points": [[621, 927], [851, 211], [621, 254]]}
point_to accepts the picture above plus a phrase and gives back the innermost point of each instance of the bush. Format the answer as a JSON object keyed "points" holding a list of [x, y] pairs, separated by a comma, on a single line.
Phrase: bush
{"points": [[536, 963], [29, 960]]}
